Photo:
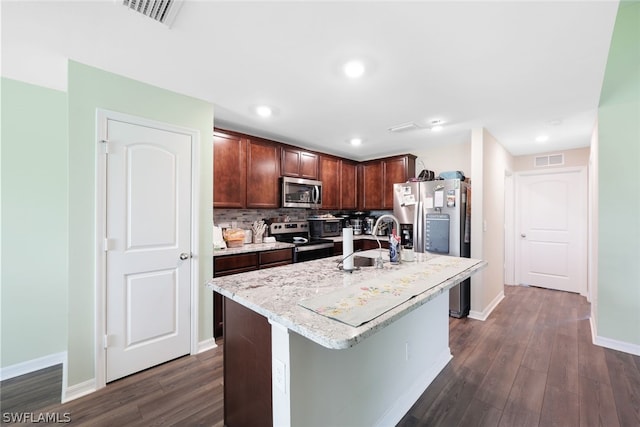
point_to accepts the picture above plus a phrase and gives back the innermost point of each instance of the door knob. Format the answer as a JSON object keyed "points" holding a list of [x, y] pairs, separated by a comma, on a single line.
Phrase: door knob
{"points": [[184, 256], [523, 235]]}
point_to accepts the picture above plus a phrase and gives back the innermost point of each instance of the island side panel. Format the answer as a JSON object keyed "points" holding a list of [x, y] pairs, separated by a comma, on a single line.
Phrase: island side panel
{"points": [[247, 367], [373, 383]]}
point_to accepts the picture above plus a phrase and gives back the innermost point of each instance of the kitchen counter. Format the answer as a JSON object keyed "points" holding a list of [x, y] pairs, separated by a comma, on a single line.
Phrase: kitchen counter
{"points": [[325, 372], [275, 293], [252, 247]]}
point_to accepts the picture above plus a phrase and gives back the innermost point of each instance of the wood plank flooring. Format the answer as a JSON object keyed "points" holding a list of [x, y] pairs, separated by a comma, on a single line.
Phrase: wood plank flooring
{"points": [[530, 364]]}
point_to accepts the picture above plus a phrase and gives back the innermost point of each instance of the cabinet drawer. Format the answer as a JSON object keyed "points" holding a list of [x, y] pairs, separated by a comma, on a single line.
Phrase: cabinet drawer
{"points": [[224, 265], [276, 256]]}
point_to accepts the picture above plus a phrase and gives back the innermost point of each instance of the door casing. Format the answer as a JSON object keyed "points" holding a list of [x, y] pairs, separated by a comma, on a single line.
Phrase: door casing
{"points": [[102, 117]]}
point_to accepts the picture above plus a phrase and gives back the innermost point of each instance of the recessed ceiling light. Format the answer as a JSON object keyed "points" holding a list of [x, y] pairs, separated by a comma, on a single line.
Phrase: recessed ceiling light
{"points": [[355, 141], [354, 69], [264, 111], [436, 125], [542, 138]]}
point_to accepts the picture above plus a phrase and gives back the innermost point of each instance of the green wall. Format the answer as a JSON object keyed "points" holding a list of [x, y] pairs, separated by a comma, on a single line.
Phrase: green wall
{"points": [[48, 209], [618, 310], [88, 89], [34, 222]]}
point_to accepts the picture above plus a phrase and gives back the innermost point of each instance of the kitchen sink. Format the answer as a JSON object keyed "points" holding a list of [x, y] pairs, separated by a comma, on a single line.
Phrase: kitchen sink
{"points": [[362, 261]]}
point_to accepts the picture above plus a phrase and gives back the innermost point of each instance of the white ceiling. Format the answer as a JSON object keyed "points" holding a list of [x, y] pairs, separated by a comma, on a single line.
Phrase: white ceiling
{"points": [[519, 69]]}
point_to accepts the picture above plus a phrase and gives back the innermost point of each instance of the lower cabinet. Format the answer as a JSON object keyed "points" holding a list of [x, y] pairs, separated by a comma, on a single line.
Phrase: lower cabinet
{"points": [[247, 367], [225, 265]]}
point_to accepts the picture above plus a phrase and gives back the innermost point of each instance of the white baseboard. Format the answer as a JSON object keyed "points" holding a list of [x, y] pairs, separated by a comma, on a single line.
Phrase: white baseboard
{"points": [[33, 365], [78, 390], [484, 314], [207, 344], [401, 406], [611, 343]]}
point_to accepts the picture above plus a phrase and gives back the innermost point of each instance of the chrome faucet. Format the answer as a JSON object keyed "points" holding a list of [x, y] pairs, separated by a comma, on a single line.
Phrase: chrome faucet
{"points": [[379, 261]]}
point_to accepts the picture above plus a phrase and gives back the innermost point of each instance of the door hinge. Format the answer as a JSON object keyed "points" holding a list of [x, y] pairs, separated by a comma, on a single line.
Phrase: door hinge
{"points": [[107, 244], [105, 142], [105, 341]]}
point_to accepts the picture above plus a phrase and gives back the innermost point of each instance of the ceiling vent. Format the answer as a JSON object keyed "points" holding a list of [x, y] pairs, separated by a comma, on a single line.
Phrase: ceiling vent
{"points": [[405, 127], [550, 160], [163, 11]]}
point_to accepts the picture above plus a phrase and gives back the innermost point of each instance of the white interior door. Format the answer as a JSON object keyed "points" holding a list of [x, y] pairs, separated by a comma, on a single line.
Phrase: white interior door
{"points": [[148, 266], [551, 230]]}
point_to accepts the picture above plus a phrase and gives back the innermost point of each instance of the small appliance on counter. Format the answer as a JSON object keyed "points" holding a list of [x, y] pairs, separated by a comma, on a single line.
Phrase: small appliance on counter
{"points": [[367, 227], [324, 226], [356, 224]]}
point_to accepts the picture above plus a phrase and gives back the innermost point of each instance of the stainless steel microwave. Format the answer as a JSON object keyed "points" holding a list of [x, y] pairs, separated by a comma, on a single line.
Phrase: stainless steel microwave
{"points": [[301, 193]]}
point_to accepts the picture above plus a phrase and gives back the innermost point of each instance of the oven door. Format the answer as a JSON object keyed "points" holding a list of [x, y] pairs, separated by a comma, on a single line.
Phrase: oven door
{"points": [[314, 251]]}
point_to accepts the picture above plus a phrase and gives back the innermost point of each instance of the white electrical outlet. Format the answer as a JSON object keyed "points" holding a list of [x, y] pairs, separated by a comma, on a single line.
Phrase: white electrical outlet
{"points": [[234, 224], [280, 375]]}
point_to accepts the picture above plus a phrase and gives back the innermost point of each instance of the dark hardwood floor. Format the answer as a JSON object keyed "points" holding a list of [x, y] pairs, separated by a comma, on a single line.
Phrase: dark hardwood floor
{"points": [[530, 364]]}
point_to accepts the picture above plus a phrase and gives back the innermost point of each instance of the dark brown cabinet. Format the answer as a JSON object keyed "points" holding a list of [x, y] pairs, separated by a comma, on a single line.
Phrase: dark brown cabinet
{"points": [[376, 179], [299, 164], [348, 184], [263, 174], [225, 265], [330, 177], [229, 177], [370, 179], [339, 183]]}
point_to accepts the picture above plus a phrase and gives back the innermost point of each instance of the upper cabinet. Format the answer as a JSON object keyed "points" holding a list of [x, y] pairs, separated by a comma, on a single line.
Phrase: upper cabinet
{"points": [[299, 164], [330, 177], [396, 169], [247, 171], [263, 174], [377, 178], [339, 183], [348, 184], [229, 172]]}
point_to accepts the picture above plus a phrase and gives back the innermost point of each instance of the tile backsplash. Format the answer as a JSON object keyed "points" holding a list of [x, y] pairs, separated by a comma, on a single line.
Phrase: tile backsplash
{"points": [[243, 218]]}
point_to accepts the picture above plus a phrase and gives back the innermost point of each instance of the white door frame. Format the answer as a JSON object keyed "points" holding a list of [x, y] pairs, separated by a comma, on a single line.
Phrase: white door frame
{"points": [[102, 116], [582, 170]]}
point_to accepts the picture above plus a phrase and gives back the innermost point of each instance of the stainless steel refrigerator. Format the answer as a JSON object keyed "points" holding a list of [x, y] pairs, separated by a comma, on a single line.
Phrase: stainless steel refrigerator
{"points": [[439, 218]]}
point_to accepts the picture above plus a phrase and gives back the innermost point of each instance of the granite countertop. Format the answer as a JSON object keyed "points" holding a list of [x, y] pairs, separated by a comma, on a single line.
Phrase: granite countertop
{"points": [[252, 247], [275, 293]]}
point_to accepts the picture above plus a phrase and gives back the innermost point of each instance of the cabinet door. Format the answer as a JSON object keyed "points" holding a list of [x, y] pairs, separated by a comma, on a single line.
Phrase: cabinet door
{"points": [[229, 171], [308, 165], [395, 171], [290, 162], [371, 184], [348, 185], [330, 177], [263, 173]]}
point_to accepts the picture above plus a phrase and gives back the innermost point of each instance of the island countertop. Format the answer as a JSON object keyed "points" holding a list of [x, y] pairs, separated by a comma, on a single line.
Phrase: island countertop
{"points": [[275, 293]]}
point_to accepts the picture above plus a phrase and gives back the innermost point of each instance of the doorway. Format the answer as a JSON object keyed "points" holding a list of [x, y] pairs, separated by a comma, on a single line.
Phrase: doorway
{"points": [[551, 229], [145, 284]]}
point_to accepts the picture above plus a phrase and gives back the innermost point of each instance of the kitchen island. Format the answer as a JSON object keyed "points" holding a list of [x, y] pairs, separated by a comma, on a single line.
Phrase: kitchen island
{"points": [[324, 371]]}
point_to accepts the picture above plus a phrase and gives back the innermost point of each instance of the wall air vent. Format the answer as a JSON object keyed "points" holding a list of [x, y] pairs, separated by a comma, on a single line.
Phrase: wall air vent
{"points": [[549, 160], [404, 127], [163, 11]]}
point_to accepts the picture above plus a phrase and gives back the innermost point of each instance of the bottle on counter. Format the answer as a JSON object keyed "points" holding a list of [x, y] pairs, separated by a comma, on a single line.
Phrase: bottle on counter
{"points": [[394, 247]]}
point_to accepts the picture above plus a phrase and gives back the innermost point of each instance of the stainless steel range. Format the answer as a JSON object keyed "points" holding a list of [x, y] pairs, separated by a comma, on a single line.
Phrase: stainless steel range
{"points": [[297, 232]]}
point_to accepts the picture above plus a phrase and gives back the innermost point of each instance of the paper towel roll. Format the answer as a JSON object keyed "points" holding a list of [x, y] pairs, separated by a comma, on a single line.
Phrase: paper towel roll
{"points": [[347, 248]]}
